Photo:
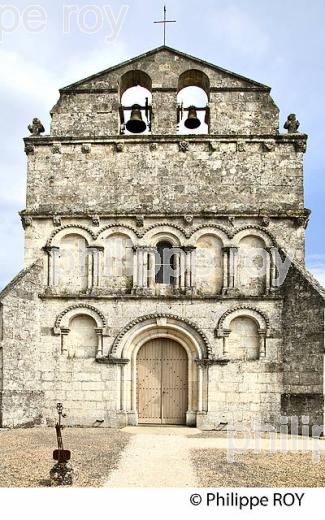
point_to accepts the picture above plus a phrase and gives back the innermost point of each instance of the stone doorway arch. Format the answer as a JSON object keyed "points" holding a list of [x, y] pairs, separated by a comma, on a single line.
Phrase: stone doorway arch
{"points": [[172, 328]]}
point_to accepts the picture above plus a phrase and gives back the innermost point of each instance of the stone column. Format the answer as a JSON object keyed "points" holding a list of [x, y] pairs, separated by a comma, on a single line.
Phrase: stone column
{"points": [[230, 266], [200, 389], [262, 335], [64, 333], [225, 252], [152, 268], [273, 267], [225, 336], [144, 267], [100, 351], [135, 269], [182, 270], [95, 262], [189, 272], [53, 255]]}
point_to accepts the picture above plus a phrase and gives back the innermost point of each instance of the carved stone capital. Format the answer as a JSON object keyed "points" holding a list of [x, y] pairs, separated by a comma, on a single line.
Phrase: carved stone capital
{"points": [[119, 147], [57, 221], [183, 146], [241, 146], [86, 148], [188, 219], [95, 219], [26, 221], [29, 149], [56, 148], [139, 220]]}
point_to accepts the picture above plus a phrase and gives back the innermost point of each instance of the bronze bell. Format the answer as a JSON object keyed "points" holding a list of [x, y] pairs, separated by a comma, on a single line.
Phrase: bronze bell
{"points": [[136, 125], [192, 122]]}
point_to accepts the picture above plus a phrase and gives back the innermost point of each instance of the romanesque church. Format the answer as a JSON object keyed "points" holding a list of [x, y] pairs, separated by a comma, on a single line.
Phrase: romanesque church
{"points": [[164, 278]]}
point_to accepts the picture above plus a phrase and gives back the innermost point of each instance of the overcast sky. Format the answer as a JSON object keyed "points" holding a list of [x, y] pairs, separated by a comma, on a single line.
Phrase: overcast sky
{"points": [[280, 43]]}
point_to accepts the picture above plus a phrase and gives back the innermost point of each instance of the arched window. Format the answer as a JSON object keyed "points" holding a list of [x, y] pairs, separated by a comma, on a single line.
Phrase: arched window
{"points": [[209, 268], [243, 341], [136, 103], [118, 263], [73, 263], [165, 260], [193, 98], [82, 338], [252, 266]]}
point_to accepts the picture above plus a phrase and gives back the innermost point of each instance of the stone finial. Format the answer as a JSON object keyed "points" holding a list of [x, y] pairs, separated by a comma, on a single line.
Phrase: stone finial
{"points": [[292, 124], [36, 128]]}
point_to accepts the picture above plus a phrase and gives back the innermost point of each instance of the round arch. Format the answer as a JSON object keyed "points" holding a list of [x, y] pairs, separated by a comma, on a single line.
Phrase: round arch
{"points": [[141, 331], [255, 232], [133, 78], [164, 233], [194, 78], [256, 315], [72, 229]]}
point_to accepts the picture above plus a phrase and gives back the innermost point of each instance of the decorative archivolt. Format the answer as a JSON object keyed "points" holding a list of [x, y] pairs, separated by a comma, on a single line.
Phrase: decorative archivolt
{"points": [[173, 230], [77, 228], [163, 227], [248, 311], [210, 229], [63, 319], [257, 231], [132, 233], [167, 320]]}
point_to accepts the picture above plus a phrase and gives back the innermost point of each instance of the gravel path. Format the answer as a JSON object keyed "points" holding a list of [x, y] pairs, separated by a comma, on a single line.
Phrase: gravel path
{"points": [[155, 457], [26, 455], [258, 469]]}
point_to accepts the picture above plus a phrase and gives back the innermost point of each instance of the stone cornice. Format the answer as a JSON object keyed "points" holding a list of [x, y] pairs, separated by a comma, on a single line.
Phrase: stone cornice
{"points": [[44, 140], [176, 298], [222, 214]]}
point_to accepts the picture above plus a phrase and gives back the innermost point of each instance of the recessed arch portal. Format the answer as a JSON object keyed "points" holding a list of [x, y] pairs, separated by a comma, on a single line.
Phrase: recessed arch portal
{"points": [[168, 328]]}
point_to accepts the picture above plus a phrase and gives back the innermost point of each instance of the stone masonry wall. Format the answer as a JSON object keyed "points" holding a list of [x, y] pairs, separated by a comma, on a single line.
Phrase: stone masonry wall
{"points": [[22, 396], [164, 180], [303, 354]]}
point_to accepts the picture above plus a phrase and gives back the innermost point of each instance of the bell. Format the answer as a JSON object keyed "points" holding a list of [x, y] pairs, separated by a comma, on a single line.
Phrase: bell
{"points": [[136, 125], [192, 121]]}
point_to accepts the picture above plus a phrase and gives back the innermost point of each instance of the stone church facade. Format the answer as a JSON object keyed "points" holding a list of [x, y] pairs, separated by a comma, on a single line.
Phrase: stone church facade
{"points": [[164, 277]]}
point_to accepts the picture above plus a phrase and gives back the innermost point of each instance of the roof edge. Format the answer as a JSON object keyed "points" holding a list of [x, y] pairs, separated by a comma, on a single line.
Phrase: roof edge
{"points": [[158, 49]]}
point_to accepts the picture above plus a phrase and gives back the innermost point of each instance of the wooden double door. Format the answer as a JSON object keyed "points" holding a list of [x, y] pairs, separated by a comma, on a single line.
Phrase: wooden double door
{"points": [[162, 382]]}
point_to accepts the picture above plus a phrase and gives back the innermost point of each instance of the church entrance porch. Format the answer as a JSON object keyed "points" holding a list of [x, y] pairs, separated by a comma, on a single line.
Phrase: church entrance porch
{"points": [[162, 382]]}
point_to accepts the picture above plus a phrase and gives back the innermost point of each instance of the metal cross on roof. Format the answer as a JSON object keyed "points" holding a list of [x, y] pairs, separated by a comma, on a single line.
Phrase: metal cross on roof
{"points": [[165, 22]]}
